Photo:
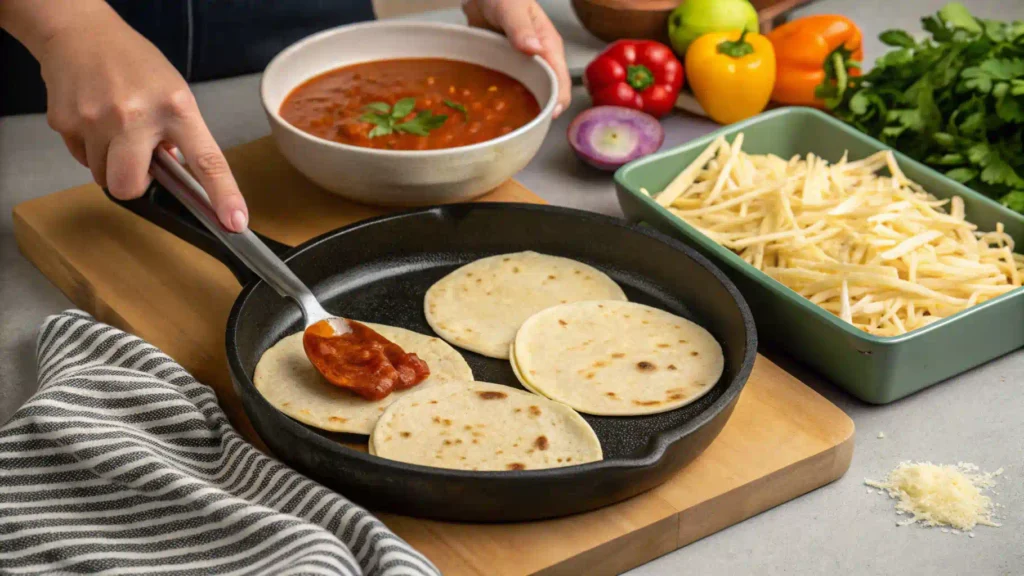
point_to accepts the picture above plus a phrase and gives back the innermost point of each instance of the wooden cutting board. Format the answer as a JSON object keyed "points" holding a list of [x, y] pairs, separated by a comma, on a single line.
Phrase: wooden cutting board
{"points": [[782, 440]]}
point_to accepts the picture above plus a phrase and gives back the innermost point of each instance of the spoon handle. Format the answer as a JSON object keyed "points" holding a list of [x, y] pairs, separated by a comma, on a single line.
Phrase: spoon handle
{"points": [[249, 249]]}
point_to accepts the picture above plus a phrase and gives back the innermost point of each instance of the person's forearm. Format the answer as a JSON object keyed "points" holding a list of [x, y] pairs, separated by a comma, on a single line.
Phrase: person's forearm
{"points": [[35, 22]]}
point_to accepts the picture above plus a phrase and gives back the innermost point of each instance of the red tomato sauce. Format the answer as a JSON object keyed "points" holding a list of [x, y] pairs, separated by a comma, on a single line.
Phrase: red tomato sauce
{"points": [[362, 360], [333, 105]]}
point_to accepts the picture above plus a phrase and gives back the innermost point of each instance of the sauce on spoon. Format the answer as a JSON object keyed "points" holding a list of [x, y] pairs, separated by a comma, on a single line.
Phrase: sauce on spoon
{"points": [[361, 360]]}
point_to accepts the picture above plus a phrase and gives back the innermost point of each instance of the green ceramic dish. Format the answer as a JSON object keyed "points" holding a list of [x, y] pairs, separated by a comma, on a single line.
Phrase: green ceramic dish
{"points": [[875, 369]]}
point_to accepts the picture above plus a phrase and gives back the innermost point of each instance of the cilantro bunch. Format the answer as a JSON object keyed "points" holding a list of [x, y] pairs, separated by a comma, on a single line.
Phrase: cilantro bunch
{"points": [[954, 101]]}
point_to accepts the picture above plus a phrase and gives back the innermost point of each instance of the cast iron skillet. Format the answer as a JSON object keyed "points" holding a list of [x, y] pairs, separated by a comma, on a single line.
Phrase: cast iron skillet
{"points": [[379, 270]]}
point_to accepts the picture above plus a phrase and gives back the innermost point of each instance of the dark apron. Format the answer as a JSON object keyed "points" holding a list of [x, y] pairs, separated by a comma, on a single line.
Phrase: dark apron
{"points": [[204, 39]]}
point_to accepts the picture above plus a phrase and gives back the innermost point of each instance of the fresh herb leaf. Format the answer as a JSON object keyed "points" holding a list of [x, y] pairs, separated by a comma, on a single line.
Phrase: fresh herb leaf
{"points": [[1012, 148], [936, 28], [931, 116], [955, 15], [382, 124], [1011, 109], [1004, 68], [1014, 200], [998, 171], [890, 133], [962, 175], [403, 108], [969, 119], [458, 107], [924, 118], [381, 107], [895, 59], [436, 121], [859, 103], [981, 78], [977, 80], [1014, 31], [897, 38], [424, 122], [974, 125], [412, 127], [375, 119], [946, 159], [977, 49], [379, 130], [994, 30], [979, 154], [380, 116]]}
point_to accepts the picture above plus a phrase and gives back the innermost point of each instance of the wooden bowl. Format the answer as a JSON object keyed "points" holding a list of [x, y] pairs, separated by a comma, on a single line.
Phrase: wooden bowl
{"points": [[612, 20]]}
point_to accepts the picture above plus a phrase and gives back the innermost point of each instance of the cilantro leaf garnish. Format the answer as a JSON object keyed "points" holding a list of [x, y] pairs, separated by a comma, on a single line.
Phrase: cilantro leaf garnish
{"points": [[379, 130], [402, 108], [387, 119], [422, 124], [458, 107], [380, 107]]}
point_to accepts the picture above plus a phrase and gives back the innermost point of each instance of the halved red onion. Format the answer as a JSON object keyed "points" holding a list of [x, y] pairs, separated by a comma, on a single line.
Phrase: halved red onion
{"points": [[607, 137]]}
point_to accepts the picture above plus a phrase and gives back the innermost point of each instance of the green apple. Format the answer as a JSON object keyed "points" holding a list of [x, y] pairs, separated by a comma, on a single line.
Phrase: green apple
{"points": [[694, 18]]}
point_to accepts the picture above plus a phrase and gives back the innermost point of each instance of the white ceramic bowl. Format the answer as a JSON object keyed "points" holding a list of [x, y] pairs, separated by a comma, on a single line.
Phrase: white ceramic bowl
{"points": [[406, 177]]}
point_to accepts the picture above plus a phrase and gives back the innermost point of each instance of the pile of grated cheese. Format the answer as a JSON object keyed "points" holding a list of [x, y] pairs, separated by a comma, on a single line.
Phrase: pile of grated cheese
{"points": [[941, 495], [876, 250]]}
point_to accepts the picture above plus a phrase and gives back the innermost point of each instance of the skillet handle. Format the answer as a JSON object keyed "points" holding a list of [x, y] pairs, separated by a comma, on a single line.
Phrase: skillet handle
{"points": [[161, 208]]}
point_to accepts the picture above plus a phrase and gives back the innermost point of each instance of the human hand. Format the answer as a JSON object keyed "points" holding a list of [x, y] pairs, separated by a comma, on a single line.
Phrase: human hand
{"points": [[114, 98], [528, 29]]}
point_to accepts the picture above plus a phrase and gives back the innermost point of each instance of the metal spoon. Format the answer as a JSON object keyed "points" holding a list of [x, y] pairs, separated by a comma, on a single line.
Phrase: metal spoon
{"points": [[347, 354], [247, 246]]}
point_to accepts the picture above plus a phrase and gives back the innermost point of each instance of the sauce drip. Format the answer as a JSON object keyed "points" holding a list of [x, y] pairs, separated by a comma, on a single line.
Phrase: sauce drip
{"points": [[362, 360]]}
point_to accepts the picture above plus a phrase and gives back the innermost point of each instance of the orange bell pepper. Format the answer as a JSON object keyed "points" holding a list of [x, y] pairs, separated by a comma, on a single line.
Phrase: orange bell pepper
{"points": [[811, 52]]}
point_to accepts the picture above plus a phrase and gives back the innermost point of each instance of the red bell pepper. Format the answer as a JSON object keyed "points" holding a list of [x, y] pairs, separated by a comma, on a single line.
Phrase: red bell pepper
{"points": [[639, 74]]}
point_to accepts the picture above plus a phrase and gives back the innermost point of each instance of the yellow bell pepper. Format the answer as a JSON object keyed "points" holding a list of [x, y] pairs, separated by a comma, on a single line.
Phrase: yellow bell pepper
{"points": [[731, 74]]}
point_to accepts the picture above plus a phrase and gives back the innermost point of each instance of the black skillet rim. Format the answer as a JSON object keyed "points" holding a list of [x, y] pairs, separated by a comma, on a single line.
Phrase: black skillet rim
{"points": [[662, 440]]}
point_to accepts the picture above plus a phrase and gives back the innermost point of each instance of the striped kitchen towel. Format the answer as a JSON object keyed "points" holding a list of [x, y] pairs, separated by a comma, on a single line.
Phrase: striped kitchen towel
{"points": [[122, 463]]}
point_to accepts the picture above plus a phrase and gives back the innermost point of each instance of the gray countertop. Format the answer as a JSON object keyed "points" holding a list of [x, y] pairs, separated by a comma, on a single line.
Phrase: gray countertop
{"points": [[838, 529]]}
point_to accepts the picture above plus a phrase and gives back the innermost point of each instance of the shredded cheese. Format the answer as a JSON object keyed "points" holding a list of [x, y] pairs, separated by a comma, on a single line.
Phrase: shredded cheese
{"points": [[876, 250], [937, 495]]}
